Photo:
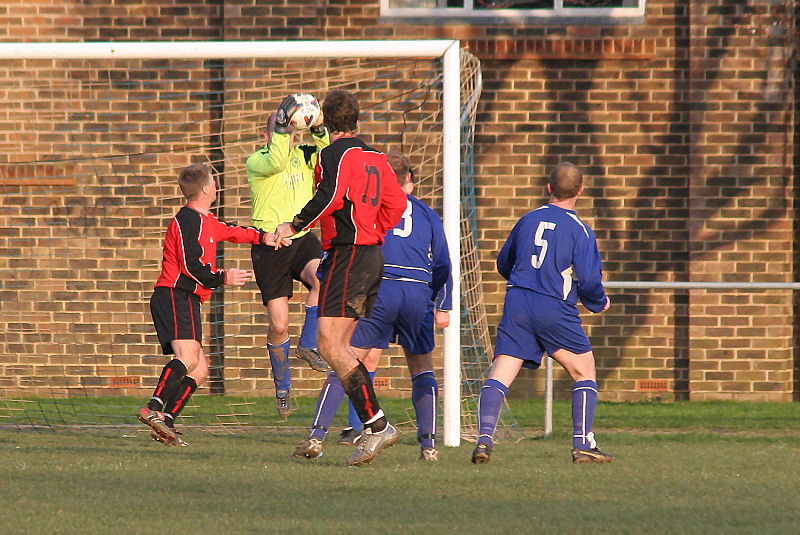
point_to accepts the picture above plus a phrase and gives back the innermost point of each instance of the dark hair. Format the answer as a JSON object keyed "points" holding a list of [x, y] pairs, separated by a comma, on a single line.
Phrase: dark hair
{"points": [[340, 111], [400, 165], [565, 181], [192, 179]]}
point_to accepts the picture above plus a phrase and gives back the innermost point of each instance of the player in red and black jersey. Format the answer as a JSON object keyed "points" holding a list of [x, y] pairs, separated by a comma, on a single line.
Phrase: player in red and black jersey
{"points": [[188, 274], [349, 203], [358, 199]]}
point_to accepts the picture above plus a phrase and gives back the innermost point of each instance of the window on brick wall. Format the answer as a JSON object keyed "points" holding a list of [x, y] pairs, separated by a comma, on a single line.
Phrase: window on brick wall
{"points": [[498, 11]]}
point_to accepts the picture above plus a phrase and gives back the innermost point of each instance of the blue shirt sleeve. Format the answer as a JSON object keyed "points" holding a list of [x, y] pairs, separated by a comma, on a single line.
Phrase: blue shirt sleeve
{"points": [[508, 254], [588, 268], [442, 280]]}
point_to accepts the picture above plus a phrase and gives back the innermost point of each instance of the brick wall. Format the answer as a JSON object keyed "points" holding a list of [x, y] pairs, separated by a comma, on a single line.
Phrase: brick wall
{"points": [[684, 125], [741, 200]]}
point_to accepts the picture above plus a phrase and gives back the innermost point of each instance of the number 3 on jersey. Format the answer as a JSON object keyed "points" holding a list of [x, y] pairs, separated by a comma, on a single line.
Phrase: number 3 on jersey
{"points": [[404, 231], [538, 239]]}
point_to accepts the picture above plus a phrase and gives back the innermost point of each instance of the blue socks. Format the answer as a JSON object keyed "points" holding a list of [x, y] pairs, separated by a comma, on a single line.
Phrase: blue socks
{"points": [[490, 402], [328, 402], [425, 397], [279, 359], [308, 336], [352, 415], [584, 403]]}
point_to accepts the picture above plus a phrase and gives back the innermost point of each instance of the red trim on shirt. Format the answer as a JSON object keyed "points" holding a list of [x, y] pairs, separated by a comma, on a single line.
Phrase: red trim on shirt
{"points": [[347, 279]]}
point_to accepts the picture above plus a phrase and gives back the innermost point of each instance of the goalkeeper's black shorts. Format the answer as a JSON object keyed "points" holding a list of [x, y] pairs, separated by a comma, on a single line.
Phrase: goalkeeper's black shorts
{"points": [[276, 270]]}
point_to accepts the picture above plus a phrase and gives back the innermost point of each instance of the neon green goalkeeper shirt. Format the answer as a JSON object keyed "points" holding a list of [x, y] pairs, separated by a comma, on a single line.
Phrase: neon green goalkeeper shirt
{"points": [[282, 180]]}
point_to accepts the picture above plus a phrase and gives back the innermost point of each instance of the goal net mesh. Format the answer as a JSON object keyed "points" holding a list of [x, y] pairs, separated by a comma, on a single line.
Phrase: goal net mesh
{"points": [[89, 155]]}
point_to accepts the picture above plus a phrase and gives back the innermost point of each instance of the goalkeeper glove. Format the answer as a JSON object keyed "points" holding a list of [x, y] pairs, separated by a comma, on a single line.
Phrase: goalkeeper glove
{"points": [[318, 128], [284, 115]]}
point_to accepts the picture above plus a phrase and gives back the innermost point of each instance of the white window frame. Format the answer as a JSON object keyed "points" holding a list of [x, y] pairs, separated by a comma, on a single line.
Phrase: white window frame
{"points": [[559, 13]]}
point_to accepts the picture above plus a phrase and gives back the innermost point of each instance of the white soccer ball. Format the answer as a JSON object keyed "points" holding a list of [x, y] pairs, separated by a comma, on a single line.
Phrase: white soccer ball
{"points": [[307, 111]]}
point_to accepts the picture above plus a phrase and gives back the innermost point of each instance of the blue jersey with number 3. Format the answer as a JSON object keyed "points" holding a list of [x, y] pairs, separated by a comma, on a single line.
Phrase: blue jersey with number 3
{"points": [[416, 270], [552, 252], [415, 250]]}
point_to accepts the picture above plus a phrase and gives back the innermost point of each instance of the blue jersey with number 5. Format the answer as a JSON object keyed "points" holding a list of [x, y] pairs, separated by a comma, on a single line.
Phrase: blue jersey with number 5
{"points": [[552, 252], [415, 250]]}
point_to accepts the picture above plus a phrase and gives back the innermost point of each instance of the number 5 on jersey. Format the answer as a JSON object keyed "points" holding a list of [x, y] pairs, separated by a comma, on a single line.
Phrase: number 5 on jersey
{"points": [[538, 239]]}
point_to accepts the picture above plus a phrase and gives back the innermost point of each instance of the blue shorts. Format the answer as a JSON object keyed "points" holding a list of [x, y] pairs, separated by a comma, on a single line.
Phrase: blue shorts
{"points": [[535, 323], [403, 313]]}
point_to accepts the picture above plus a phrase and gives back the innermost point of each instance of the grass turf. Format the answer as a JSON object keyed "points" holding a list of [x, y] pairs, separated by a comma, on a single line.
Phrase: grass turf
{"points": [[680, 468]]}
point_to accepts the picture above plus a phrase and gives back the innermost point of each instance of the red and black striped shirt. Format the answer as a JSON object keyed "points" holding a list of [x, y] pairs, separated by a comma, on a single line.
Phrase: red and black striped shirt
{"points": [[358, 198], [190, 249]]}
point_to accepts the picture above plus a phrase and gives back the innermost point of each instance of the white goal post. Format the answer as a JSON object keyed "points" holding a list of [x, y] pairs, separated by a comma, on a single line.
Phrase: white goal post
{"points": [[447, 50]]}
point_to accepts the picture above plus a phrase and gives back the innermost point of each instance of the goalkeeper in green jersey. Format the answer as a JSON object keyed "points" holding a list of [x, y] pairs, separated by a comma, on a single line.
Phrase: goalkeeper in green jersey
{"points": [[281, 179]]}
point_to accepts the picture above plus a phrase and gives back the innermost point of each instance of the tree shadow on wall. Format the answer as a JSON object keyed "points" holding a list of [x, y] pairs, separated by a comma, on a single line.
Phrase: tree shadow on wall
{"points": [[570, 134]]}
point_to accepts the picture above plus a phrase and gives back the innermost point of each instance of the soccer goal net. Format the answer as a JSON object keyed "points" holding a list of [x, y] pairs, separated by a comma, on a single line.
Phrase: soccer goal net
{"points": [[92, 138]]}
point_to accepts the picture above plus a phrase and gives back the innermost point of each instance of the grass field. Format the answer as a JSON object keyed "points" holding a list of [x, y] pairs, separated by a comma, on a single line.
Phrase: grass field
{"points": [[681, 468]]}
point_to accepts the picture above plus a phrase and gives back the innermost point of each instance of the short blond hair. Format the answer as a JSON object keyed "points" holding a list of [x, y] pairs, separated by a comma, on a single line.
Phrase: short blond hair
{"points": [[192, 180], [566, 180]]}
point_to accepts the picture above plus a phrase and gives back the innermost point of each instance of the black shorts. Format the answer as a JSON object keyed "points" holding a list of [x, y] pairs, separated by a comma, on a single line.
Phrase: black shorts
{"points": [[176, 315], [351, 276], [275, 269]]}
